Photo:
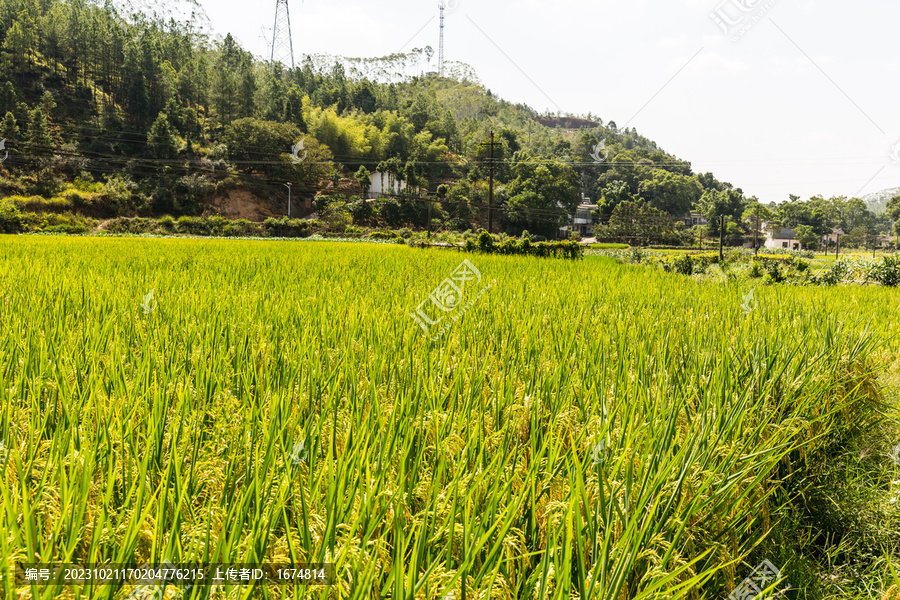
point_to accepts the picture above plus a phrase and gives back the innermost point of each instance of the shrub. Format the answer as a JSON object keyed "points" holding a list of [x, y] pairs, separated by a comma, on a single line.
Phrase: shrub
{"points": [[167, 223], [384, 235], [683, 264], [636, 255], [886, 271], [10, 217], [136, 225], [485, 242], [285, 227]]}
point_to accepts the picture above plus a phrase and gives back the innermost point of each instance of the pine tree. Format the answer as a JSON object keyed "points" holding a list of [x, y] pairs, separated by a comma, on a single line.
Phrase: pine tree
{"points": [[39, 132], [161, 139], [9, 130]]}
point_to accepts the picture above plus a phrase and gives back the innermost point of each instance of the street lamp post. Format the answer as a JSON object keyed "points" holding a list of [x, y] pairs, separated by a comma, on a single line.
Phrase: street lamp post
{"points": [[288, 186]]}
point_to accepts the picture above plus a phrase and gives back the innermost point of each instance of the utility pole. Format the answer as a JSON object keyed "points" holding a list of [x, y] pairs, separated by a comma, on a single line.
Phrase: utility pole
{"points": [[756, 233], [429, 217], [491, 185], [837, 247], [721, 239], [288, 186]]}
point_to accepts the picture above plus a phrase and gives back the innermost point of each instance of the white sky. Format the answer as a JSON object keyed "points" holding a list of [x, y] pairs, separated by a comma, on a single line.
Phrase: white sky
{"points": [[816, 115]]}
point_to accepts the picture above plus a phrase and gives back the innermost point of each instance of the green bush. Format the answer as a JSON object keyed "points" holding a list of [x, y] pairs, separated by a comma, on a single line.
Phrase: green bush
{"points": [[135, 225], [10, 217], [384, 235], [53, 223], [683, 264], [485, 242], [886, 271], [290, 228]]}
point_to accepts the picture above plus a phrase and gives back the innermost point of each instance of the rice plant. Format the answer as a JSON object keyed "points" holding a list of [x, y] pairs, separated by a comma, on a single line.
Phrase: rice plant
{"points": [[584, 430]]}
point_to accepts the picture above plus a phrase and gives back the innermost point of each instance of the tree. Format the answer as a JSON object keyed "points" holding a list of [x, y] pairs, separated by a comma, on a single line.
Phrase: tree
{"points": [[9, 130], [161, 139], [670, 192], [807, 236], [720, 205], [612, 196], [640, 224], [364, 179], [542, 197], [39, 132]]}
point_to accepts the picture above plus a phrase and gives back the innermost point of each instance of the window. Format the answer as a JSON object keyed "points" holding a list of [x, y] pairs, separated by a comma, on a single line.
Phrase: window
{"points": [[784, 244]]}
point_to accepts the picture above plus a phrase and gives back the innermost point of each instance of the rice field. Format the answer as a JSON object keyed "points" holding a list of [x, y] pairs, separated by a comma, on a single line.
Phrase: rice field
{"points": [[571, 429]]}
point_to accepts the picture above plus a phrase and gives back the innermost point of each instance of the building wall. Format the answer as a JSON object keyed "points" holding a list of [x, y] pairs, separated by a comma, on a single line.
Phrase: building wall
{"points": [[376, 190]]}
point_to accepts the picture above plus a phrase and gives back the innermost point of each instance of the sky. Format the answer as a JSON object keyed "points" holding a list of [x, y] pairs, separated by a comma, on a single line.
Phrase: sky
{"points": [[777, 97]]}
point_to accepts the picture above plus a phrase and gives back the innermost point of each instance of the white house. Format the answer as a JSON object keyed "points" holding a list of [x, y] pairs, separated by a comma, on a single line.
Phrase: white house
{"points": [[583, 221], [381, 185], [781, 237]]}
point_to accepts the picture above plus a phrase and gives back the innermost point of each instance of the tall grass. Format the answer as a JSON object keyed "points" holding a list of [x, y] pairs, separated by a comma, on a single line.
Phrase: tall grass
{"points": [[586, 430]]}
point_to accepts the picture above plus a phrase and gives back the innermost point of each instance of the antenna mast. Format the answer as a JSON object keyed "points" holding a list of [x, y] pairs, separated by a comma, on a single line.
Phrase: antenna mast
{"points": [[441, 47], [282, 44]]}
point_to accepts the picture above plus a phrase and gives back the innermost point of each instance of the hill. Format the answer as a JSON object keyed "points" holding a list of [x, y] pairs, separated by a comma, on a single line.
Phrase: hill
{"points": [[156, 115], [115, 111], [878, 201]]}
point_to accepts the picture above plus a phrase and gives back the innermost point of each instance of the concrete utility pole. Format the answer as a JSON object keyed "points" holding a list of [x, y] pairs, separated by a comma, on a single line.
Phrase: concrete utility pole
{"points": [[491, 190], [721, 239], [756, 233], [288, 186], [491, 185]]}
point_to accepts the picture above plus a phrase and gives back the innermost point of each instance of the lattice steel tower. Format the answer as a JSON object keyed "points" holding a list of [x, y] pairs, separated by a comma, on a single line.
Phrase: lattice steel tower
{"points": [[282, 45], [441, 45]]}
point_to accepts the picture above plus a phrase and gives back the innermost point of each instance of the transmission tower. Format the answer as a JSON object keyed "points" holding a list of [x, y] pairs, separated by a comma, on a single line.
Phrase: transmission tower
{"points": [[282, 45], [441, 46]]}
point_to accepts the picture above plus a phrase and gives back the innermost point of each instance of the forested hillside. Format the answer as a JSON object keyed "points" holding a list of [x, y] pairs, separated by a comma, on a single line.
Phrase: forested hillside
{"points": [[106, 114]]}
